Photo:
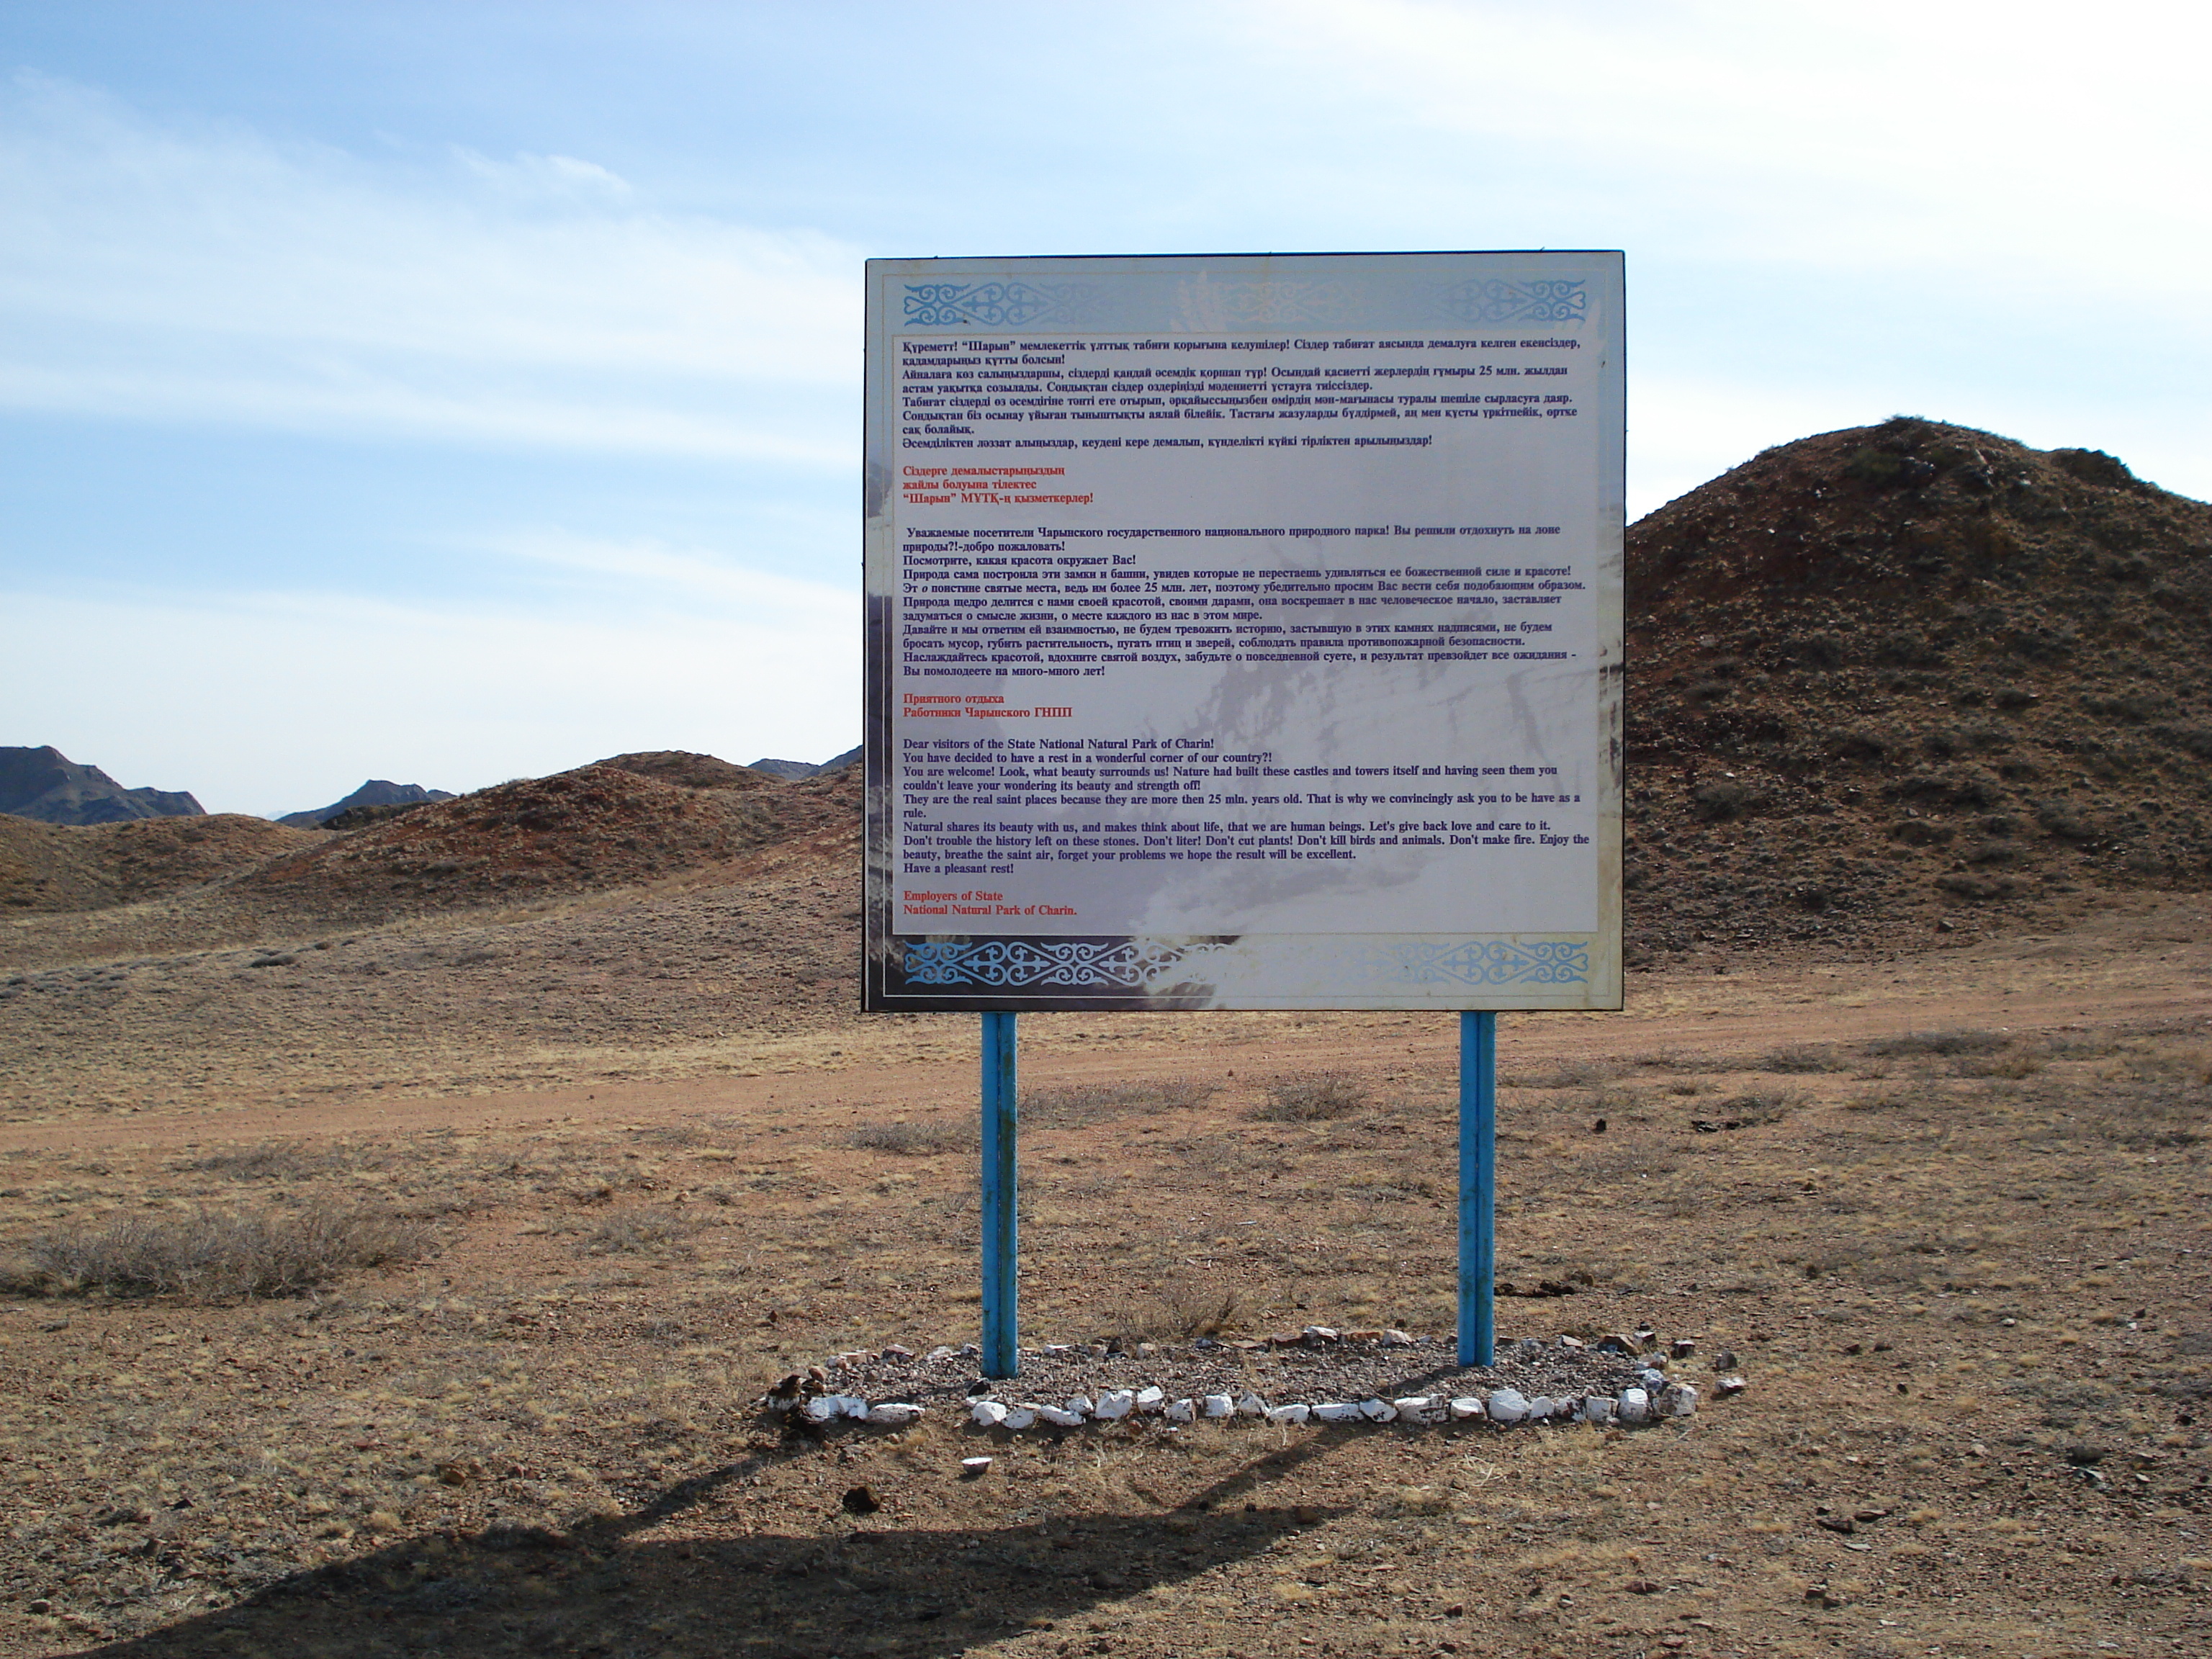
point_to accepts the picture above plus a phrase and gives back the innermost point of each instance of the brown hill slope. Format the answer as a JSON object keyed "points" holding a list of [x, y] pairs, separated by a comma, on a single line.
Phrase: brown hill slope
{"points": [[1885, 677], [601, 826], [580, 837], [46, 867]]}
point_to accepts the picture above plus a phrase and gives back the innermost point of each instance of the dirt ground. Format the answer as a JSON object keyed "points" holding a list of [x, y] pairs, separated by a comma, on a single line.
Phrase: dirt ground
{"points": [[1949, 1211]]}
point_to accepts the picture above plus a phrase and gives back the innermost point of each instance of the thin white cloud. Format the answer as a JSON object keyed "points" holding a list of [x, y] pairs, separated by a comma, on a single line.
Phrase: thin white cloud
{"points": [[1886, 136], [535, 178], [529, 302]]}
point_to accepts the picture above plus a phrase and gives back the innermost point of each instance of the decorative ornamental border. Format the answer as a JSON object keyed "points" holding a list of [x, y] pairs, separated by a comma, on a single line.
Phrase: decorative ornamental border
{"points": [[998, 305], [1157, 965], [1489, 300]]}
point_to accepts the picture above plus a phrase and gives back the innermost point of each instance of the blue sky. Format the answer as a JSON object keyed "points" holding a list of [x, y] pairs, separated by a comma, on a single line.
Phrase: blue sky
{"points": [[455, 392]]}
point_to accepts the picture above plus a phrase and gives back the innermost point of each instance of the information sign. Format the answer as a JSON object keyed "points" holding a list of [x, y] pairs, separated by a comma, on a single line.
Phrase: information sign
{"points": [[1244, 632]]}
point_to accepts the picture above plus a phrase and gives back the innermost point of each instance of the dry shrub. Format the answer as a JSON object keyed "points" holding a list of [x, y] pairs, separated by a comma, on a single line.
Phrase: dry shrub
{"points": [[213, 1257], [904, 1139], [1949, 1044], [624, 1232], [1315, 1098], [1181, 1311], [1749, 1111], [1070, 1106]]}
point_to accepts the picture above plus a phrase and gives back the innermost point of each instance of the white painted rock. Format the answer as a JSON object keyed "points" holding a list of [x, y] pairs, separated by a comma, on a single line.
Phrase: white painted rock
{"points": [[1059, 1417], [1081, 1405], [972, 1466], [894, 1413], [852, 1406], [1507, 1406], [942, 1350], [1181, 1411], [1729, 1386], [1396, 1340], [1218, 1405], [987, 1413], [1150, 1399], [1021, 1417], [1378, 1411], [1596, 1408], [1681, 1400], [1289, 1413], [1251, 1406], [1634, 1405], [1467, 1409], [822, 1408], [1336, 1411], [1420, 1408], [1113, 1404]]}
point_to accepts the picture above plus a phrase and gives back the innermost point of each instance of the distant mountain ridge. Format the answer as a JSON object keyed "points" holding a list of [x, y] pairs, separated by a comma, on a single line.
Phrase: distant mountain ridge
{"points": [[45, 784], [792, 771], [377, 792]]}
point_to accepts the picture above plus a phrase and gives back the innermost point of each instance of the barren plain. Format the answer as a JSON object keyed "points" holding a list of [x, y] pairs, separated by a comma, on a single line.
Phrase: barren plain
{"points": [[1947, 1209]]}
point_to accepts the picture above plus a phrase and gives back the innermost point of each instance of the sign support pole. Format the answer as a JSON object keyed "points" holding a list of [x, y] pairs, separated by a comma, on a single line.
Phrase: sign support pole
{"points": [[1001, 1355], [1478, 1187]]}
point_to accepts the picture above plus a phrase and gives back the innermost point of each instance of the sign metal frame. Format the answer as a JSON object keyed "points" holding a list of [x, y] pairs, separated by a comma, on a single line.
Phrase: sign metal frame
{"points": [[1493, 319]]}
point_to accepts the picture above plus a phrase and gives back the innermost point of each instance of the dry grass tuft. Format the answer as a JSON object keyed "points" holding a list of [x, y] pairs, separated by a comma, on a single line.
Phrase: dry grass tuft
{"points": [[1311, 1099], [215, 1257], [1564, 1074], [1948, 1044], [917, 1139], [275, 1160], [637, 1231], [1071, 1106], [1802, 1058]]}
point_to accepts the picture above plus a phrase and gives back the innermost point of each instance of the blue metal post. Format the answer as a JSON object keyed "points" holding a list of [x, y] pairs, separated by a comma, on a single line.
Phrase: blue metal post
{"points": [[1001, 1355], [1477, 1188]]}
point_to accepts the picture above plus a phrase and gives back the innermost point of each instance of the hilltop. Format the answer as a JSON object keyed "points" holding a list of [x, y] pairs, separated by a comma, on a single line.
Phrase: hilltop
{"points": [[375, 793], [1909, 678]]}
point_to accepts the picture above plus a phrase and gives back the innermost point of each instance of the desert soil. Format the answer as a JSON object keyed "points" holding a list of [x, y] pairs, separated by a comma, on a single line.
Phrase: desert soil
{"points": [[1964, 1272]]}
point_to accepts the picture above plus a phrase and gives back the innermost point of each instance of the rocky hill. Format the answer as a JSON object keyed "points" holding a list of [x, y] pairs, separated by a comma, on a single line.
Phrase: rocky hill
{"points": [[1894, 679], [790, 771], [377, 792], [46, 784]]}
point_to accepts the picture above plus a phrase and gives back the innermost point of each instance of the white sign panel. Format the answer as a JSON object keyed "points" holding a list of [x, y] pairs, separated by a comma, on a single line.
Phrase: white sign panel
{"points": [[1244, 632]]}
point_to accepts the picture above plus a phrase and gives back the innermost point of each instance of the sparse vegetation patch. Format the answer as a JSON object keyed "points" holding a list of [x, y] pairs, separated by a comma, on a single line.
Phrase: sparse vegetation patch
{"points": [[212, 1257]]}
